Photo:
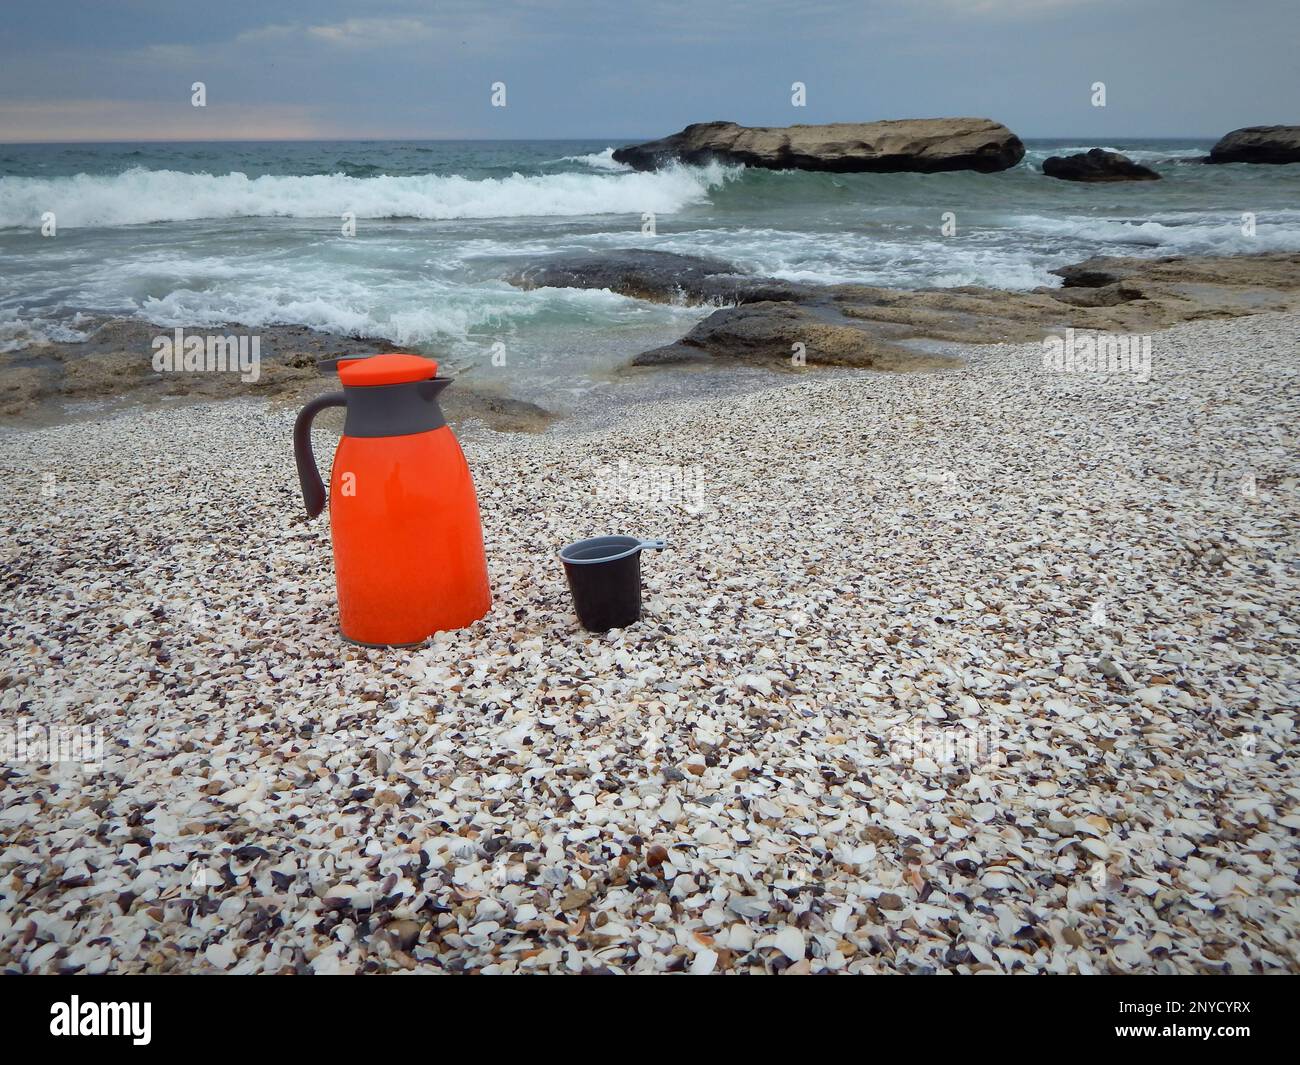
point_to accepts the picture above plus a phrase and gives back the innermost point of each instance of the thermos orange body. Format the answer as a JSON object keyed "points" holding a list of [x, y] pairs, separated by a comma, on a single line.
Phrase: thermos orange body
{"points": [[404, 519]]}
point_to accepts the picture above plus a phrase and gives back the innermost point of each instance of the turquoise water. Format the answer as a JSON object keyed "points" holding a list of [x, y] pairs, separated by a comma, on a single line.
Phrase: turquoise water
{"points": [[209, 234]]}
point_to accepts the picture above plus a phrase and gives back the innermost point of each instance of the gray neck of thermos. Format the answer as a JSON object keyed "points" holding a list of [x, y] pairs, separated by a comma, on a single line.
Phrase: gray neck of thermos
{"points": [[394, 410]]}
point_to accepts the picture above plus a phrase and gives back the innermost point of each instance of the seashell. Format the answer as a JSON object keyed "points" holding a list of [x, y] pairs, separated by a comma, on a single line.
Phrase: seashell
{"points": [[790, 942]]}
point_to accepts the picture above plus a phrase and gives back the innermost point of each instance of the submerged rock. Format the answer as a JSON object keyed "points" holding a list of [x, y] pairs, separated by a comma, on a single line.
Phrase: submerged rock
{"points": [[1258, 144], [1097, 165], [924, 145], [653, 275]]}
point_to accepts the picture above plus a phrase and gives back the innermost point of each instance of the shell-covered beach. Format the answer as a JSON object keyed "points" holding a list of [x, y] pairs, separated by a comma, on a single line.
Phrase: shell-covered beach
{"points": [[989, 669]]}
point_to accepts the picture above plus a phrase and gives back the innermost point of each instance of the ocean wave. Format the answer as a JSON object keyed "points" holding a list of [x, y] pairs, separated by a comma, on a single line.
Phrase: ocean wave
{"points": [[598, 161], [1167, 155], [19, 333], [1174, 156], [1201, 236], [441, 313], [142, 196]]}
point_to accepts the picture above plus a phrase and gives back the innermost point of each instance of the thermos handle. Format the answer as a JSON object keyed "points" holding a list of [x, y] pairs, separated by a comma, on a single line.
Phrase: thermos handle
{"points": [[313, 491]]}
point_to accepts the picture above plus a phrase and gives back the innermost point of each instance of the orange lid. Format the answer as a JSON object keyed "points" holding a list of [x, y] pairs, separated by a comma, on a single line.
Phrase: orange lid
{"points": [[386, 370]]}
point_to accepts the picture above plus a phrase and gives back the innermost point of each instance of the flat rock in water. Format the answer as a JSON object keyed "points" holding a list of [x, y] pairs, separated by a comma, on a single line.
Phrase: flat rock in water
{"points": [[922, 145], [662, 276], [1097, 165], [792, 333], [894, 329], [1277, 271], [1258, 144]]}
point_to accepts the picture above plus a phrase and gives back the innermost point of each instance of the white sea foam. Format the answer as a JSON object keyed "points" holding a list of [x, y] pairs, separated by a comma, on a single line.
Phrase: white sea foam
{"points": [[866, 258], [18, 333], [139, 195], [598, 161], [1275, 231], [1146, 156], [406, 315], [1171, 155]]}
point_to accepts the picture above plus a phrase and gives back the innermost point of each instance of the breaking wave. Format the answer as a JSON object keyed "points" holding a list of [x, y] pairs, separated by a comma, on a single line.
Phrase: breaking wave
{"points": [[1203, 235], [1147, 156], [141, 196], [598, 161]]}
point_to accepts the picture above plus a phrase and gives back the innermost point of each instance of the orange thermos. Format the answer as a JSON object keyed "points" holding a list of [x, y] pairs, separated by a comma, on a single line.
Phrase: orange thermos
{"points": [[408, 544]]}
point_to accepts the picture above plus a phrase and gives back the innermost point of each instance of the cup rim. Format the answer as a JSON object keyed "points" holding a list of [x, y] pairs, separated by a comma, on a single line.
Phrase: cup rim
{"points": [[620, 547]]}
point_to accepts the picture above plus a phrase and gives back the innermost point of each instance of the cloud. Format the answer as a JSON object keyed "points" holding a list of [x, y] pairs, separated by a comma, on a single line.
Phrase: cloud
{"points": [[350, 33], [1010, 8], [372, 32], [274, 32], [169, 53]]}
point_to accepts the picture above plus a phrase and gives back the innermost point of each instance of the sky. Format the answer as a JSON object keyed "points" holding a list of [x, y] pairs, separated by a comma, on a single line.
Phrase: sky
{"points": [[73, 70]]}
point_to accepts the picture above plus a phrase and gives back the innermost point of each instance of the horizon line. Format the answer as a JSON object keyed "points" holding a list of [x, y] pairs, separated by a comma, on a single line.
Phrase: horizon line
{"points": [[510, 140]]}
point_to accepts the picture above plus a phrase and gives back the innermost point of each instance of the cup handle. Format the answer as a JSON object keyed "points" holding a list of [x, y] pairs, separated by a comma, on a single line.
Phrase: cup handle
{"points": [[653, 545]]}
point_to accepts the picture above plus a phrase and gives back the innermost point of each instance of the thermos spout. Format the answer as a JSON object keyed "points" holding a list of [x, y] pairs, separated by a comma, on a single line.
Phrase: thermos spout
{"points": [[429, 389]]}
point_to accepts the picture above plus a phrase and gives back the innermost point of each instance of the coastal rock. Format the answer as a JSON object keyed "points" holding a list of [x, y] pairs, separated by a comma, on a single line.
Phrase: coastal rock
{"points": [[922, 145], [654, 275], [895, 329], [115, 362], [113, 367], [1097, 165], [761, 322], [1258, 144], [505, 414], [1261, 282], [790, 334], [765, 331]]}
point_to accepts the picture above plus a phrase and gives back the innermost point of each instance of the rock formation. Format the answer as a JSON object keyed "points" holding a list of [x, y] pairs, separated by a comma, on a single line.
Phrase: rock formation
{"points": [[883, 328], [1097, 165], [925, 145], [1258, 144]]}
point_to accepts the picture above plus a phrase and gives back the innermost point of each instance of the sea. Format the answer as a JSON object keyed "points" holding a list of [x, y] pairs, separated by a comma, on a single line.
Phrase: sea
{"points": [[412, 241]]}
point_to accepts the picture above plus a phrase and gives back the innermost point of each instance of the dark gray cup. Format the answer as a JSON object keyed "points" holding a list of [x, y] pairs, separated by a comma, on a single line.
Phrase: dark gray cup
{"points": [[604, 575]]}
